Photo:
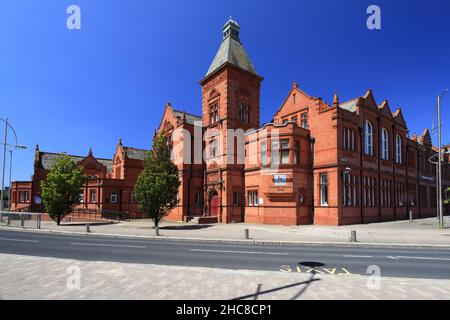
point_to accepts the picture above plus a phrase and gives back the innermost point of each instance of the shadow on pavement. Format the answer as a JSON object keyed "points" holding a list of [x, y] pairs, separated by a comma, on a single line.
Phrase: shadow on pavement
{"points": [[311, 264], [92, 224], [186, 227], [302, 290]]}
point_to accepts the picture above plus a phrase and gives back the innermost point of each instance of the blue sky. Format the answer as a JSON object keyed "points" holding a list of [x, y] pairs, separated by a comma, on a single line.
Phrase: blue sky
{"points": [[69, 90]]}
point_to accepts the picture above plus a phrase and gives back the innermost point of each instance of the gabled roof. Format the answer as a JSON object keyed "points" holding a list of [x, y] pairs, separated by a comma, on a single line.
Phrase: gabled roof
{"points": [[398, 116], [385, 109], [172, 114], [48, 159], [294, 89], [349, 105], [190, 118], [135, 153], [231, 50], [426, 137]]}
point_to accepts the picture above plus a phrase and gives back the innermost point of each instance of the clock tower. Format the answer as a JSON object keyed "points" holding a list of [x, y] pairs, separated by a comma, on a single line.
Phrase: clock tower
{"points": [[230, 106]]}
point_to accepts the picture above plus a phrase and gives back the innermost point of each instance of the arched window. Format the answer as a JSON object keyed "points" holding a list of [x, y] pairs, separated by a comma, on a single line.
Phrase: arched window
{"points": [[368, 141], [398, 149], [384, 145]]}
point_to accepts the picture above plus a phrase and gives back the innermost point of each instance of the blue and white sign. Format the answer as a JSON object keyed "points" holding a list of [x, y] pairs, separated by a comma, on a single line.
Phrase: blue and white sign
{"points": [[279, 180]]}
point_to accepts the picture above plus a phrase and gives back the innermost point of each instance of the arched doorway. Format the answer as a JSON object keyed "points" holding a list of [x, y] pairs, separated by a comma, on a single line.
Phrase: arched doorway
{"points": [[213, 204]]}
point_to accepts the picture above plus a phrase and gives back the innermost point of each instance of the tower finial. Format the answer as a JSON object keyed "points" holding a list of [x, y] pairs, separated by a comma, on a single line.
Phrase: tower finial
{"points": [[295, 84], [231, 29], [335, 99], [90, 151]]}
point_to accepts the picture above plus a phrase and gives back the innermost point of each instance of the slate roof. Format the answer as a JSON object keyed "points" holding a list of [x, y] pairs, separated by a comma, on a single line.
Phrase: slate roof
{"points": [[190, 118], [47, 159], [231, 50], [135, 153], [349, 105]]}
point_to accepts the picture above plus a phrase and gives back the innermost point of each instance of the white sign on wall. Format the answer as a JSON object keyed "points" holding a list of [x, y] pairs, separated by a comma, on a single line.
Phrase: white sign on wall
{"points": [[279, 180]]}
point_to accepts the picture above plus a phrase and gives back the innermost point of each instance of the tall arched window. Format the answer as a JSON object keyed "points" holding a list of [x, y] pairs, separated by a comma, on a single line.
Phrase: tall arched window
{"points": [[384, 145], [368, 141], [398, 149]]}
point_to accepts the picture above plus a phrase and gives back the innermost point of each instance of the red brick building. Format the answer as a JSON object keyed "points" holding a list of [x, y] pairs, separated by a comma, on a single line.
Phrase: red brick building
{"points": [[108, 188], [321, 163], [335, 164]]}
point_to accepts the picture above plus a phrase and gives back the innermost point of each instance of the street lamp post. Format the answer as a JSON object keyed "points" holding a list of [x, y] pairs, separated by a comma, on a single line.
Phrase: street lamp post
{"points": [[4, 160], [16, 146], [440, 209]]}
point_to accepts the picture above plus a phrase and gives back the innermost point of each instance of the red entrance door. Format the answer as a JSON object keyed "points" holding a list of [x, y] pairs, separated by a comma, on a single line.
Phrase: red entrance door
{"points": [[214, 205]]}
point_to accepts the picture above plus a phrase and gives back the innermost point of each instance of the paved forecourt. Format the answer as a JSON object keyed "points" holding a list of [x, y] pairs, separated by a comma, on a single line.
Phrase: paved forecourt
{"points": [[26, 277]]}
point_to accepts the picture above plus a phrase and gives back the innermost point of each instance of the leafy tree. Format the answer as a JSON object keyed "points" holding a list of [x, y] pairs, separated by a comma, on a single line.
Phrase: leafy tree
{"points": [[157, 186], [447, 196], [6, 194], [61, 188]]}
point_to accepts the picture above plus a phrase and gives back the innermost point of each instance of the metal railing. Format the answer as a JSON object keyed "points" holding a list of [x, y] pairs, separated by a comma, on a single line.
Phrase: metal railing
{"points": [[20, 219]]}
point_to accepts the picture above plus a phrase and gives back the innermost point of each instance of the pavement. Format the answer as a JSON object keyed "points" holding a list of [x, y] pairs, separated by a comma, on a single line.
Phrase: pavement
{"points": [[27, 277], [62, 266], [423, 232]]}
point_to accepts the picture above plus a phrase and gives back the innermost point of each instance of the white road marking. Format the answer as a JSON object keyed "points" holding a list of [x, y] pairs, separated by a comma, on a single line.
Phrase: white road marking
{"points": [[393, 258], [423, 258], [241, 252], [20, 240], [106, 245], [355, 256]]}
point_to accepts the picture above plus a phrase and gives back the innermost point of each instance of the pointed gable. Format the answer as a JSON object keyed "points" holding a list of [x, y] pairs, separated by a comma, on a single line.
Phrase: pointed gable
{"points": [[398, 116], [168, 120], [295, 101], [369, 101], [426, 138], [385, 110], [92, 166]]}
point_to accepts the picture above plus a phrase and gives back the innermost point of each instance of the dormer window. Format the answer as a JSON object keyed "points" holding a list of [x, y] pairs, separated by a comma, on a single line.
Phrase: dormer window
{"points": [[243, 112], [214, 113]]}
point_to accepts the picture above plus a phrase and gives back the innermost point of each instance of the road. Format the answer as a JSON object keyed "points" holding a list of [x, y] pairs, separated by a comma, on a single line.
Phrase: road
{"points": [[324, 259]]}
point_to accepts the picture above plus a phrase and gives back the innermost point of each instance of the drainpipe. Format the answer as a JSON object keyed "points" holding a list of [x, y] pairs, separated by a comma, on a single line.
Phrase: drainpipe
{"points": [[242, 196], [394, 187], [360, 131], [379, 168], [419, 205], [311, 196], [406, 177]]}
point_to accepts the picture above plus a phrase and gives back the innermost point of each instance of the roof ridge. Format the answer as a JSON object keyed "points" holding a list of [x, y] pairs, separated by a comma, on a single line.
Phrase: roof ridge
{"points": [[70, 155], [136, 148], [191, 114]]}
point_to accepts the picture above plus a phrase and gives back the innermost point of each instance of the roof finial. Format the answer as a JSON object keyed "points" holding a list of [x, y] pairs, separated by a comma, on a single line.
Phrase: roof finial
{"points": [[335, 99], [295, 84], [231, 29], [120, 141], [37, 147], [90, 151]]}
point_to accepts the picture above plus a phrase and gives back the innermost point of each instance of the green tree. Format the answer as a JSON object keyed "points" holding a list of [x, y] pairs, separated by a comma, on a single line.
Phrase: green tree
{"points": [[61, 188], [447, 196], [157, 186]]}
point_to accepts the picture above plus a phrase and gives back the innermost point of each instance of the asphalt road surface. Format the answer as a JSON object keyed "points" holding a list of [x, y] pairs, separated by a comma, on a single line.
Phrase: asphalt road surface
{"points": [[324, 259]]}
